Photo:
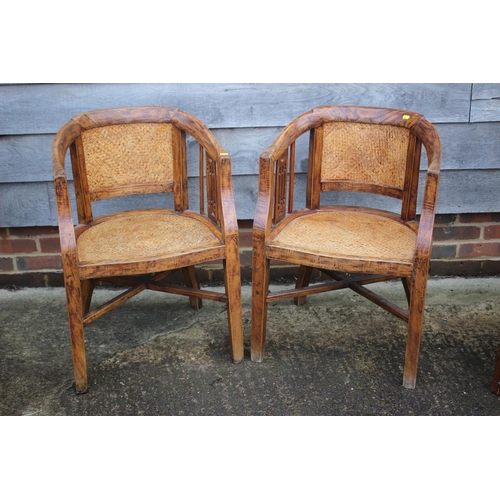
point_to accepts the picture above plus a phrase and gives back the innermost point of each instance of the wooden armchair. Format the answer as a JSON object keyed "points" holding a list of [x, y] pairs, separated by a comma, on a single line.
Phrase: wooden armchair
{"points": [[355, 149], [142, 150]]}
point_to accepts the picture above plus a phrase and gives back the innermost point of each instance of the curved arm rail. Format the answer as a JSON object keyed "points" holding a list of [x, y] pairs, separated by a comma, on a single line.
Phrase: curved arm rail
{"points": [[430, 139]]}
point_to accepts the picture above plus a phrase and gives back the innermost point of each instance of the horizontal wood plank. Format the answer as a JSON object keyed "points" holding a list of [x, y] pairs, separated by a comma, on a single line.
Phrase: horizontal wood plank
{"points": [[465, 146], [487, 110], [473, 146], [485, 91], [485, 103], [24, 205], [28, 158], [44, 108], [460, 191], [245, 118]]}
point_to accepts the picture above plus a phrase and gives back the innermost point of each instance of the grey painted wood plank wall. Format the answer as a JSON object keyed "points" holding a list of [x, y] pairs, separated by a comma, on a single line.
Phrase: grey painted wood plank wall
{"points": [[43, 109], [246, 118]]}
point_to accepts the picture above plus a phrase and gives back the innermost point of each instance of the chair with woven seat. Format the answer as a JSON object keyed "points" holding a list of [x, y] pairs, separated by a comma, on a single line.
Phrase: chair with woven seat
{"points": [[358, 150], [134, 151]]}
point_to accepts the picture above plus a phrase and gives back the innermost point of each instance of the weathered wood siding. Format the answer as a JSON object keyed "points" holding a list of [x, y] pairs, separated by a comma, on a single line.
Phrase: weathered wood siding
{"points": [[246, 118]]}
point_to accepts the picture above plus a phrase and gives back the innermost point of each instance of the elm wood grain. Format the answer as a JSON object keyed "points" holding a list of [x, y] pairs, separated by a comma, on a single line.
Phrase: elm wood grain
{"points": [[87, 287], [356, 286], [191, 292], [125, 281], [300, 292], [303, 279], [340, 239], [495, 385], [111, 304], [191, 282], [135, 287], [117, 247]]}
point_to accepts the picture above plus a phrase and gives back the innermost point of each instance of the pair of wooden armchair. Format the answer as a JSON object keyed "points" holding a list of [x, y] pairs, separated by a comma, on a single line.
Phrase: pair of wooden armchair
{"points": [[143, 150]]}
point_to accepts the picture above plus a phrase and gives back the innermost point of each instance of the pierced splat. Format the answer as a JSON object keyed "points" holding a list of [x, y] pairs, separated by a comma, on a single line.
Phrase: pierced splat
{"points": [[280, 184], [212, 198]]}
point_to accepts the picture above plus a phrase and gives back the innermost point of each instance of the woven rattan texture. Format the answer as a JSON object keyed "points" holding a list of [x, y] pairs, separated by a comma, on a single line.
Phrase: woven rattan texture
{"points": [[355, 235], [139, 237], [364, 152], [119, 155]]}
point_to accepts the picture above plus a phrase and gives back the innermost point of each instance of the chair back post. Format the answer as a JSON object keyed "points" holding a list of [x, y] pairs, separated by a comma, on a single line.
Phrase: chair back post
{"points": [[314, 168], [83, 204], [410, 189], [180, 188]]}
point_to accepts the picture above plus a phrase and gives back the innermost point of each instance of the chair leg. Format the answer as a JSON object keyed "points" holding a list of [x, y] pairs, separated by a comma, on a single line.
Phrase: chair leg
{"points": [[415, 322], [191, 281], [74, 300], [87, 287], [303, 279], [260, 286], [495, 385], [407, 286], [232, 280]]}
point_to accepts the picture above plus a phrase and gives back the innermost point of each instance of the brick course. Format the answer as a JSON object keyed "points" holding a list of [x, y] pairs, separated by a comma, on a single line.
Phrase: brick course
{"points": [[492, 232], [464, 244], [30, 256], [17, 246], [38, 263]]}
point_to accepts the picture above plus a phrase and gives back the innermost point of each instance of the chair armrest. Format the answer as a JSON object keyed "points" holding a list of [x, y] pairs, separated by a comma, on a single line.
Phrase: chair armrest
{"points": [[430, 139], [263, 210], [229, 222], [62, 141], [65, 221], [427, 216]]}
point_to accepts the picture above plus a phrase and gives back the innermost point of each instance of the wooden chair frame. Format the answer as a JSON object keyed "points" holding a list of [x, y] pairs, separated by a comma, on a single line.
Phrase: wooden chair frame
{"points": [[274, 212], [220, 219]]}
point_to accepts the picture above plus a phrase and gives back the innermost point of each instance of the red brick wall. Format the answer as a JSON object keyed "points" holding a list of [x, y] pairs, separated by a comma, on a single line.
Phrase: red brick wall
{"points": [[30, 256], [464, 245]]}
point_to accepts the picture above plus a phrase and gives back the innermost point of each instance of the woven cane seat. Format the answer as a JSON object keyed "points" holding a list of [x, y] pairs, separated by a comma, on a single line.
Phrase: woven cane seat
{"points": [[330, 234], [156, 235]]}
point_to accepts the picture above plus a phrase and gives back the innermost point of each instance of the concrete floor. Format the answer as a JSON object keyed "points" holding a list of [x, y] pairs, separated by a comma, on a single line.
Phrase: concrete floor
{"points": [[337, 355]]}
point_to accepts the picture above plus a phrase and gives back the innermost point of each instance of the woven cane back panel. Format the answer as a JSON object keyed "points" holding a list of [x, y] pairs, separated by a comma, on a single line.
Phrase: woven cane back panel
{"points": [[331, 234], [364, 152], [120, 155]]}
